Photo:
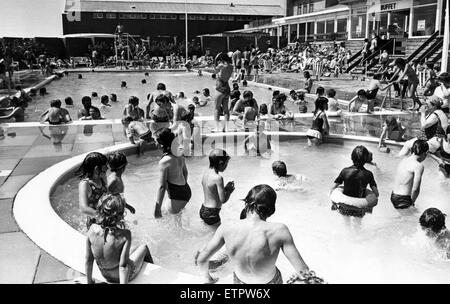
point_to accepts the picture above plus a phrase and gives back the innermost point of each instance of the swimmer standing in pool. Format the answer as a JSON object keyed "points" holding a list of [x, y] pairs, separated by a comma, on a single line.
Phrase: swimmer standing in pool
{"points": [[409, 177], [216, 194], [173, 176], [224, 70]]}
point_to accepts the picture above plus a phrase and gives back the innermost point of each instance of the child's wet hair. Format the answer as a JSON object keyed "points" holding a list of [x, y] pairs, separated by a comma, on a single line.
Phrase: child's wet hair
{"points": [[90, 162], [280, 98], [247, 94], [306, 74], [143, 81], [362, 93], [360, 156], [94, 94], [111, 212], [117, 161], [206, 91], [161, 99], [86, 100], [113, 97], [161, 87], [320, 90], [331, 93], [420, 147], [165, 137], [279, 168], [123, 84], [275, 93], [55, 103], [432, 219], [105, 99], [261, 200], [133, 100], [68, 101], [217, 158], [263, 109]]}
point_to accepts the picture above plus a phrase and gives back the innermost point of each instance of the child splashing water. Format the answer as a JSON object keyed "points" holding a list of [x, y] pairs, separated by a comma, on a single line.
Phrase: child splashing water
{"points": [[108, 243], [285, 181], [92, 185]]}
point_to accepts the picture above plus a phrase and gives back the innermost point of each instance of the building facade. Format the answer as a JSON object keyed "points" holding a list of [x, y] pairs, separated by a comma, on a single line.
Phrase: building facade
{"points": [[167, 19], [354, 20]]}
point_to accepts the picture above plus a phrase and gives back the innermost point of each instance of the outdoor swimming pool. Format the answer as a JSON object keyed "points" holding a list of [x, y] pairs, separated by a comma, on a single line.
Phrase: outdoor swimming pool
{"points": [[107, 83], [385, 247]]}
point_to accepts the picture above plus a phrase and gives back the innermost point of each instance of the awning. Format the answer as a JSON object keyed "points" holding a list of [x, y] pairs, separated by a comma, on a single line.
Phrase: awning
{"points": [[89, 35]]}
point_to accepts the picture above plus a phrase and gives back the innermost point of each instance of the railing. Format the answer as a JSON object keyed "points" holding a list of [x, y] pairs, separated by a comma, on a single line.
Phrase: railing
{"points": [[383, 47], [419, 49], [431, 50]]}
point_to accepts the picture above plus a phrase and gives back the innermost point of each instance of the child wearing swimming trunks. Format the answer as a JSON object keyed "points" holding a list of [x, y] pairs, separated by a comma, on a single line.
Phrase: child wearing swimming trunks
{"points": [[355, 178], [92, 185], [409, 176], [215, 193], [108, 243]]}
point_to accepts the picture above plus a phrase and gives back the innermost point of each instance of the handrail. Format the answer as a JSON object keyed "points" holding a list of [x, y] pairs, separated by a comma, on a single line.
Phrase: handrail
{"points": [[378, 50], [376, 53], [419, 49], [430, 51], [436, 58], [354, 56]]}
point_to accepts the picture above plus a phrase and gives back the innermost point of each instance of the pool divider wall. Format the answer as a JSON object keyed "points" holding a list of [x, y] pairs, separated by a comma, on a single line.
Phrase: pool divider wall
{"points": [[36, 217]]}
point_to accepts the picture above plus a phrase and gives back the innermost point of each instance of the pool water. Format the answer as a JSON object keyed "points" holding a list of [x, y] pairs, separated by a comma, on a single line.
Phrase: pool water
{"points": [[107, 83], [384, 247]]}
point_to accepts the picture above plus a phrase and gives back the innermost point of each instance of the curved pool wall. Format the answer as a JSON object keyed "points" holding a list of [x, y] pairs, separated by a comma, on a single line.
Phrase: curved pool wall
{"points": [[35, 215]]}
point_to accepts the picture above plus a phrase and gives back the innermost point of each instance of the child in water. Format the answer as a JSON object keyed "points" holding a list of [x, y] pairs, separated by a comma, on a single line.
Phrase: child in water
{"points": [[355, 178], [92, 185], [108, 243], [285, 181], [215, 193], [432, 221], [117, 164], [393, 130]]}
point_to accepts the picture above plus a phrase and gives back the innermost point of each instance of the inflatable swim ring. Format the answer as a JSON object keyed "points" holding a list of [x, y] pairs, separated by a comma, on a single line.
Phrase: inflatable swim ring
{"points": [[353, 206]]}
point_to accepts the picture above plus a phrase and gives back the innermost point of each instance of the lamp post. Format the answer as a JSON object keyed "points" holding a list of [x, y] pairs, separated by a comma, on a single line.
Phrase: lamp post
{"points": [[186, 25], [444, 62]]}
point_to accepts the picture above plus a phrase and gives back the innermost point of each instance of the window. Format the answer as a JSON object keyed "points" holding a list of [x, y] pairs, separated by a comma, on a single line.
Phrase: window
{"points": [[163, 16], [358, 29], [172, 17], [134, 16], [111, 15], [320, 27], [98, 16], [305, 8], [424, 17], [341, 25], [311, 7], [143, 16], [330, 27], [124, 16]]}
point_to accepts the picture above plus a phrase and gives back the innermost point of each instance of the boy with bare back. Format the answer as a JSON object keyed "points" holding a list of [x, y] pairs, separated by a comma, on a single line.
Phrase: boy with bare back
{"points": [[254, 244], [409, 176], [214, 190]]}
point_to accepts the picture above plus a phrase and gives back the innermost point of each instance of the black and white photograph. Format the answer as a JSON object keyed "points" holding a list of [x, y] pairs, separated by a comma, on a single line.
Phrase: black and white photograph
{"points": [[198, 145]]}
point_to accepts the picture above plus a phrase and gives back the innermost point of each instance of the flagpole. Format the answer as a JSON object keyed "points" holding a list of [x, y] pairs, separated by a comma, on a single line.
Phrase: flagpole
{"points": [[445, 48], [186, 25]]}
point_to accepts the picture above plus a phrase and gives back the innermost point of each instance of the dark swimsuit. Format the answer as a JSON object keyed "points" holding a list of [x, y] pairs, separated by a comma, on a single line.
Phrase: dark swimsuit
{"points": [[177, 192], [210, 215], [317, 125], [96, 194], [401, 201], [277, 279], [433, 130], [372, 94]]}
